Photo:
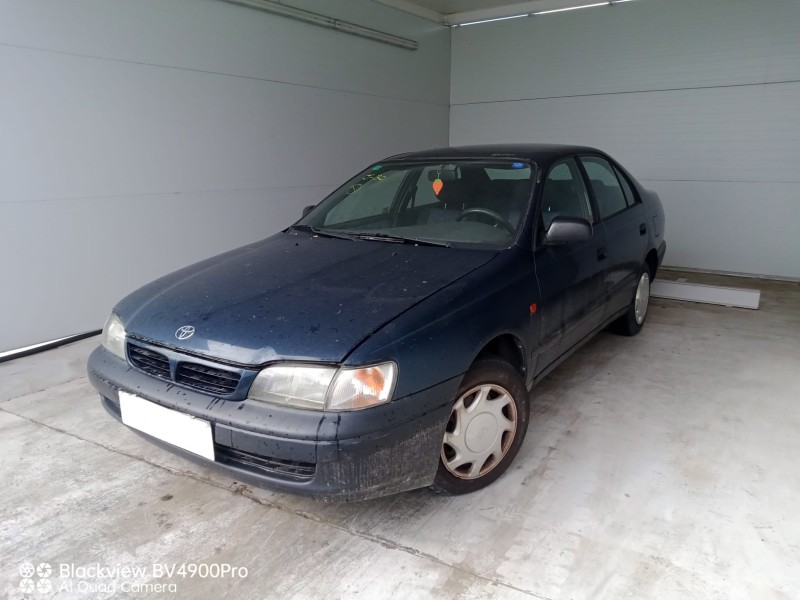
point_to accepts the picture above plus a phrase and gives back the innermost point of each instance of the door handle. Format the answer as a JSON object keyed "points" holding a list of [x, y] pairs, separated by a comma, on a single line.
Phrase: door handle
{"points": [[642, 229], [601, 253]]}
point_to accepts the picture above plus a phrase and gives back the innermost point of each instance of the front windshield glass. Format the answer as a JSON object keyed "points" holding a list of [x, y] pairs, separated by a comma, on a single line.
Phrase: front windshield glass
{"points": [[481, 203]]}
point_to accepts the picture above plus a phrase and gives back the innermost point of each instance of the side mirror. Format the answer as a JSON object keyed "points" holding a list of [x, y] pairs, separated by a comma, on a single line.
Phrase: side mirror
{"points": [[308, 209], [568, 230]]}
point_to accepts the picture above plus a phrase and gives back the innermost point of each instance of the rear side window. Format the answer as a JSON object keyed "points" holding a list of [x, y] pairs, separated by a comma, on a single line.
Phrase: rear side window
{"points": [[605, 185], [564, 194], [630, 197]]}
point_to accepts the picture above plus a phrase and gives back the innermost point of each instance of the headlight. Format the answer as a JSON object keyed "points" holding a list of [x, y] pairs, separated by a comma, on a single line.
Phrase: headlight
{"points": [[113, 338], [303, 387], [325, 388]]}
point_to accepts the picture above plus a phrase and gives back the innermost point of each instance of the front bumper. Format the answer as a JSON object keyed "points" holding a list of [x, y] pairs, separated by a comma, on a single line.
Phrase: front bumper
{"points": [[329, 455]]}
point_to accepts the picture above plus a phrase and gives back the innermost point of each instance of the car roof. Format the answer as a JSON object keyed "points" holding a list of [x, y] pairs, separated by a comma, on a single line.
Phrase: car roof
{"points": [[539, 153]]}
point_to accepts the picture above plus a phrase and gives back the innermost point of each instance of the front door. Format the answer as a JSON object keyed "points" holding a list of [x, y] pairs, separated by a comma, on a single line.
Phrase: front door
{"points": [[570, 276]]}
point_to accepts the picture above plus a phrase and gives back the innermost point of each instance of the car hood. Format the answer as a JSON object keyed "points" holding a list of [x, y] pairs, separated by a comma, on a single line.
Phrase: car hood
{"points": [[293, 296]]}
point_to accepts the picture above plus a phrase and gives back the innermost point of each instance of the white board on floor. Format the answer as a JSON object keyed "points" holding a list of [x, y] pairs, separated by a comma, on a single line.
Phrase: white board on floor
{"points": [[708, 294]]}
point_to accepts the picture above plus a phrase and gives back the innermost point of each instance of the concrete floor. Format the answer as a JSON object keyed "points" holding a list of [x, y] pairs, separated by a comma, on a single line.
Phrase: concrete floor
{"points": [[661, 466]]}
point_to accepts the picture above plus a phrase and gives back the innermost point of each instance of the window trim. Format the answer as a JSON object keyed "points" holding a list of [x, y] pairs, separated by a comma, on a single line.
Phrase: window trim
{"points": [[588, 183]]}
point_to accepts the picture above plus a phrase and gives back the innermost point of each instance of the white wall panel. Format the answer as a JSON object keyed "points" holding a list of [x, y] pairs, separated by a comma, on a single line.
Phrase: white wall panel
{"points": [[700, 100], [138, 137]]}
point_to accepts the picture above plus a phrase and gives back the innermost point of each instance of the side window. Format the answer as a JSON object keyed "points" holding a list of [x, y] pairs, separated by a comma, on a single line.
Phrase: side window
{"points": [[564, 194], [605, 185], [630, 197], [370, 197]]}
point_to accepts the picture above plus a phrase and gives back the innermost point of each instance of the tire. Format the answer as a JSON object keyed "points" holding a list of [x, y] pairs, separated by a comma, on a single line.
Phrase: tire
{"points": [[489, 381], [633, 320]]}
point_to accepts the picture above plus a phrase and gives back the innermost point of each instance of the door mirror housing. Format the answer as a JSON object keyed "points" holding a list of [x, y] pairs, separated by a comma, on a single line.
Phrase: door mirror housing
{"points": [[568, 230], [308, 209]]}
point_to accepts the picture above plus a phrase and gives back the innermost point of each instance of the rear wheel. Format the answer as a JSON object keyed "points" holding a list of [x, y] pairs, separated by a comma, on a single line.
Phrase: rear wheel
{"points": [[486, 428], [632, 321]]}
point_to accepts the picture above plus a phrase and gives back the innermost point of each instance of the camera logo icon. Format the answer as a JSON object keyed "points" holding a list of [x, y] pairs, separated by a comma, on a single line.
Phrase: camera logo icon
{"points": [[35, 578]]}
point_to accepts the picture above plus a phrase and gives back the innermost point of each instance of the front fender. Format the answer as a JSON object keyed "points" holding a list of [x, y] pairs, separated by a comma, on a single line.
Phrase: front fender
{"points": [[440, 337]]}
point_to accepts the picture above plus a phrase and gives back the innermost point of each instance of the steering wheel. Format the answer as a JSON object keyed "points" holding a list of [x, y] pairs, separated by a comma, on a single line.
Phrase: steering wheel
{"points": [[495, 216]]}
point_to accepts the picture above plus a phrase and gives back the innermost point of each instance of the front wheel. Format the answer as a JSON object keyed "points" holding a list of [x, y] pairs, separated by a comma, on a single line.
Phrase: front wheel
{"points": [[632, 321], [486, 427]]}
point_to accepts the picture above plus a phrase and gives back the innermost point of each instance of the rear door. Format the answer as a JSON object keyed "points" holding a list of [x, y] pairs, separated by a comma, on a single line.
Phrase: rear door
{"points": [[570, 276], [623, 217]]}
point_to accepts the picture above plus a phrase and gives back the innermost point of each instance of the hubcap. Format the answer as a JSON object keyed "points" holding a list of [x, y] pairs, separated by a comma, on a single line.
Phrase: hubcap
{"points": [[480, 431], [642, 298]]}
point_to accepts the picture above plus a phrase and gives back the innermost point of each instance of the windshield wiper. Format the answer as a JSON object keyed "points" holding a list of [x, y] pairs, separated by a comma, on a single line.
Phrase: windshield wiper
{"points": [[377, 237], [321, 232], [396, 239]]}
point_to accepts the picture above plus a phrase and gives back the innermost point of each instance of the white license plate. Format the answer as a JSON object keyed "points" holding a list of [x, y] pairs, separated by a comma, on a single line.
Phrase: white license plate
{"points": [[171, 426]]}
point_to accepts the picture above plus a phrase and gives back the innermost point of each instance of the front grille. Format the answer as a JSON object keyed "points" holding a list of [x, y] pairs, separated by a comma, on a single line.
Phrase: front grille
{"points": [[209, 379], [149, 361], [271, 466]]}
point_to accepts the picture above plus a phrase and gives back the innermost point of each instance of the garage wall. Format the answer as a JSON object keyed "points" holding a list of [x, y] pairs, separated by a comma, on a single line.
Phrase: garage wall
{"points": [[700, 100], [138, 137]]}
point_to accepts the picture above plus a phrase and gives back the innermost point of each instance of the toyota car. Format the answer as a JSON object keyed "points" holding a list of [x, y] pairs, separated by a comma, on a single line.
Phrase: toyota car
{"points": [[390, 338]]}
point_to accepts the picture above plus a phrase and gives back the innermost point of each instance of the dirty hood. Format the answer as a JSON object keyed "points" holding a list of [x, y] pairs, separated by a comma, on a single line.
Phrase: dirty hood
{"points": [[292, 296]]}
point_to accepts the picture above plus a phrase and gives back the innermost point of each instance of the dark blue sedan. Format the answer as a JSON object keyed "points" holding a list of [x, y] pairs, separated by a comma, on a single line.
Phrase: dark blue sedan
{"points": [[389, 339]]}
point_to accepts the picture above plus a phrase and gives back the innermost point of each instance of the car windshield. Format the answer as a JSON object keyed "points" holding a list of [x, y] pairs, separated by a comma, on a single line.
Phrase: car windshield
{"points": [[480, 203]]}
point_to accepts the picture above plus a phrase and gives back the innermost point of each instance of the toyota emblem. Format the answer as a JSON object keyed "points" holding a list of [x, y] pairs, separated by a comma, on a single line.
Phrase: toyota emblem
{"points": [[185, 332]]}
